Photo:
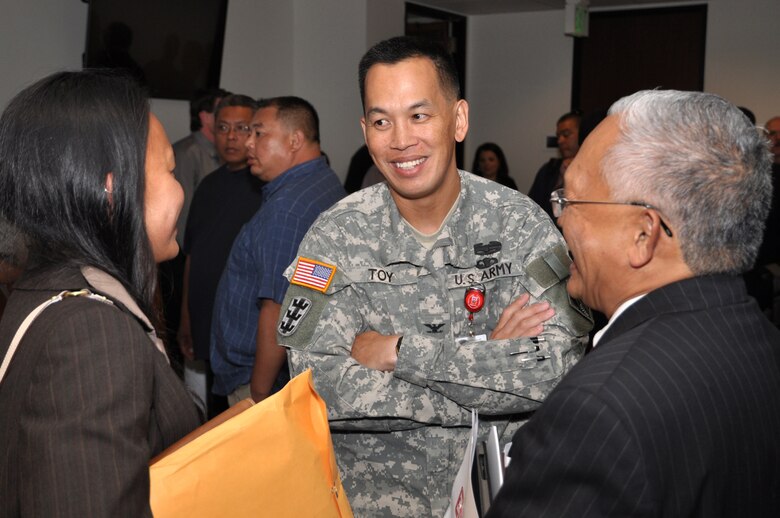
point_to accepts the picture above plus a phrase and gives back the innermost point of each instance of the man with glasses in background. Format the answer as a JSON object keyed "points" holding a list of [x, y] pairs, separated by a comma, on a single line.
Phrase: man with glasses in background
{"points": [[223, 202], [196, 156], [675, 410]]}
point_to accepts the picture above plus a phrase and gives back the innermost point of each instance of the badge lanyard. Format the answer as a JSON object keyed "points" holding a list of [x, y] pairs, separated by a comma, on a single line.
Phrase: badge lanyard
{"points": [[474, 301]]}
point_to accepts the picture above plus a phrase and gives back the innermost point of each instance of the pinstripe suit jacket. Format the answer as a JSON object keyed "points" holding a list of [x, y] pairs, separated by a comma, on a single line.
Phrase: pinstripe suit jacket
{"points": [[676, 413], [86, 402]]}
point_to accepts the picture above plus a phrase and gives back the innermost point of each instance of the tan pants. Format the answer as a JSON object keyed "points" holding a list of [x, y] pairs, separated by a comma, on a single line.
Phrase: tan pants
{"points": [[241, 393]]}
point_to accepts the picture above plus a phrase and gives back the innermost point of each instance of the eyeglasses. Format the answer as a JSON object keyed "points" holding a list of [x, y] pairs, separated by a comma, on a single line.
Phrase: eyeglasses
{"points": [[241, 129], [559, 202]]}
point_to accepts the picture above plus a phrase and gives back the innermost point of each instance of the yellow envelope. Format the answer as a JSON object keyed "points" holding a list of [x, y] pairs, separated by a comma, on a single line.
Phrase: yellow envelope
{"points": [[273, 459]]}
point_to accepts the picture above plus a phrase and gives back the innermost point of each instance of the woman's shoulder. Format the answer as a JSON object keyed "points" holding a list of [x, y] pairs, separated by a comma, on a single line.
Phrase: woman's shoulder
{"points": [[82, 314]]}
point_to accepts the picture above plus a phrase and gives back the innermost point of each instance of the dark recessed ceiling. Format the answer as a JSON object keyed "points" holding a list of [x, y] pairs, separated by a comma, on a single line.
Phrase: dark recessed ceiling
{"points": [[467, 7]]}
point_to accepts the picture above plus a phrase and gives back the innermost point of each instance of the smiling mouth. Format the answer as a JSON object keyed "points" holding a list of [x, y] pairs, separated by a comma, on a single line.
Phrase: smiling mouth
{"points": [[411, 164]]}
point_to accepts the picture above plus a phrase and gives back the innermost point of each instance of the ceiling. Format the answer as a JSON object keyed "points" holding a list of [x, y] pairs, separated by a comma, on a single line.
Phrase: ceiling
{"points": [[467, 7]]}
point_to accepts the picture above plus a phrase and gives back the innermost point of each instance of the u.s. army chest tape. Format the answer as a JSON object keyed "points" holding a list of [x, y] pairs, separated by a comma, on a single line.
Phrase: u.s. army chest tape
{"points": [[541, 278]]}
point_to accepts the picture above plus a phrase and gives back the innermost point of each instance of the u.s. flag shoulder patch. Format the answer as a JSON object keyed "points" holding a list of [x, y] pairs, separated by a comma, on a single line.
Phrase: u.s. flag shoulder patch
{"points": [[313, 274]]}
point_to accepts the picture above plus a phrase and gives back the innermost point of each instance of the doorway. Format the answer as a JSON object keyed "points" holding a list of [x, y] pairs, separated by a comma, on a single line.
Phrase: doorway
{"points": [[638, 49]]}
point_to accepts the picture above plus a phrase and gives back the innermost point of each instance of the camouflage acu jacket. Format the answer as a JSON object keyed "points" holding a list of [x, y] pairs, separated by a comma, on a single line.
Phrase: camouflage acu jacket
{"points": [[400, 436]]}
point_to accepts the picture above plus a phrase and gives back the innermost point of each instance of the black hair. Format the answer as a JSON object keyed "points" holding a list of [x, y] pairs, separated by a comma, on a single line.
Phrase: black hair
{"points": [[576, 115], [243, 101], [400, 48], [503, 168], [204, 101], [296, 113], [749, 114], [59, 138]]}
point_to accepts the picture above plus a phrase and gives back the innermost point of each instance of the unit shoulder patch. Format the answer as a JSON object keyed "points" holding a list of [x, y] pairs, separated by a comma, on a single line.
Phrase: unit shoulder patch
{"points": [[293, 316]]}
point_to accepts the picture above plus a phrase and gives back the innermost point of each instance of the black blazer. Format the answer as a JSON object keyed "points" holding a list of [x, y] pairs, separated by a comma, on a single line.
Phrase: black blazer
{"points": [[86, 402], [675, 413]]}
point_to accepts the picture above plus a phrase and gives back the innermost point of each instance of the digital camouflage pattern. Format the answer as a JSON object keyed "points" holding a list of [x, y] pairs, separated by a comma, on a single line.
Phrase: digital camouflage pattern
{"points": [[400, 436]]}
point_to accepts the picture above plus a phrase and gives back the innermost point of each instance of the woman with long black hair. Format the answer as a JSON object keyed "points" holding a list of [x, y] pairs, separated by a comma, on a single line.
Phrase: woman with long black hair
{"points": [[87, 395]]}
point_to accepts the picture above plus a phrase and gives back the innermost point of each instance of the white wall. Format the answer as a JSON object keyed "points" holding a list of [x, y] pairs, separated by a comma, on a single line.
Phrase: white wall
{"points": [[38, 37], [328, 44], [518, 83], [384, 19], [258, 53], [742, 61]]}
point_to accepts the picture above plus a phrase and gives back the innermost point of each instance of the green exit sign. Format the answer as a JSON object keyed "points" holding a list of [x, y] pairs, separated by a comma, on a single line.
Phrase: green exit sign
{"points": [[576, 14]]}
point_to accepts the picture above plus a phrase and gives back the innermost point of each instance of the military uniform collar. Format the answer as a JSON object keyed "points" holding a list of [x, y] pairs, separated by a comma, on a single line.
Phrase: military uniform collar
{"points": [[458, 234]]}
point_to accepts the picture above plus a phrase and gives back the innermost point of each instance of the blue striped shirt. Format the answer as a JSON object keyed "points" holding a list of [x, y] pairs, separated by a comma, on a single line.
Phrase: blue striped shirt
{"points": [[264, 248]]}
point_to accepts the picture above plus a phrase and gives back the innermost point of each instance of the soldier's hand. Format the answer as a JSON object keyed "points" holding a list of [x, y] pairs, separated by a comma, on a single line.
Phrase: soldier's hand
{"points": [[375, 350], [521, 319]]}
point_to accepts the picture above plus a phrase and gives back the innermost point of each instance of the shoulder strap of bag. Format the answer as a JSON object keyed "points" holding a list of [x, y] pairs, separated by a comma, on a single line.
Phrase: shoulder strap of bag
{"points": [[104, 283], [34, 314], [99, 280]]}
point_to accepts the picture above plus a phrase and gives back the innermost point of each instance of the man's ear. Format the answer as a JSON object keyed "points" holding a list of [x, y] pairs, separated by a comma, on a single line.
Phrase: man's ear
{"points": [[646, 231], [461, 120], [296, 140], [206, 119]]}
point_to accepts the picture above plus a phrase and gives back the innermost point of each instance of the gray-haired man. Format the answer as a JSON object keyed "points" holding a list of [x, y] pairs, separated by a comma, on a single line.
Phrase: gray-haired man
{"points": [[675, 411]]}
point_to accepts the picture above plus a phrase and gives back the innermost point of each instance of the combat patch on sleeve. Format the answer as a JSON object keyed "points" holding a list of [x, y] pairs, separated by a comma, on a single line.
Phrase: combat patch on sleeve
{"points": [[551, 268], [313, 274]]}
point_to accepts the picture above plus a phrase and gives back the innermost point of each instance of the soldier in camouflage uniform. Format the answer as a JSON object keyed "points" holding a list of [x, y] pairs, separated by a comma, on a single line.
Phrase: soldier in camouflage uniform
{"points": [[376, 302]]}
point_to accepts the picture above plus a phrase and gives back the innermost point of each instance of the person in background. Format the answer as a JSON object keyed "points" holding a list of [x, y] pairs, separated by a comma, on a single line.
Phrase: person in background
{"points": [[550, 175], [86, 174], [674, 412], [359, 165], [760, 279], [770, 247], [223, 202], [196, 156], [490, 163]]}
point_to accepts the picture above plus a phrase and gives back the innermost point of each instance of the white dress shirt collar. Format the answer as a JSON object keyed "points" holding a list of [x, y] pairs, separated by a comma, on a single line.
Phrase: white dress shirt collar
{"points": [[624, 306]]}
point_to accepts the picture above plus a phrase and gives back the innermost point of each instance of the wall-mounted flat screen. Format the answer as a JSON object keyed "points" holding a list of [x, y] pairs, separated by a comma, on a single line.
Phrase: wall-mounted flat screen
{"points": [[173, 46]]}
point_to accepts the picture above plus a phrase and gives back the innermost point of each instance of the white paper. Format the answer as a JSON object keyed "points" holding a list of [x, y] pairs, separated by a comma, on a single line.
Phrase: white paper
{"points": [[462, 504], [495, 463]]}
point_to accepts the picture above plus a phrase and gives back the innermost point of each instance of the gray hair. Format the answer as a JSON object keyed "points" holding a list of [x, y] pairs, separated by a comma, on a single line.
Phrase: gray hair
{"points": [[699, 160]]}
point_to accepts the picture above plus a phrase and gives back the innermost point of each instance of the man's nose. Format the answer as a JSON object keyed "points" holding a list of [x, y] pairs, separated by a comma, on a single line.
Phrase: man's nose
{"points": [[402, 136]]}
